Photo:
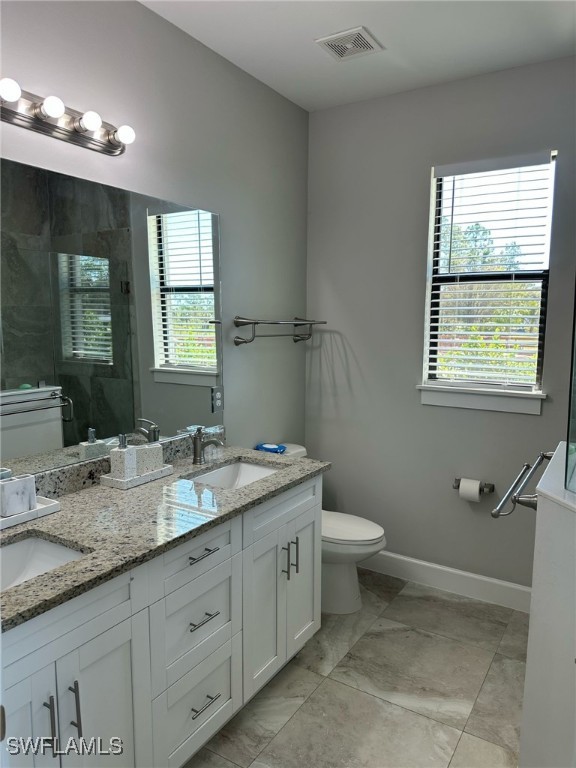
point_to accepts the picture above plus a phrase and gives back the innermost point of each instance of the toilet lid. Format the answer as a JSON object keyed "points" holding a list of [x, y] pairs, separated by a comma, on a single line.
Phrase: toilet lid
{"points": [[336, 526]]}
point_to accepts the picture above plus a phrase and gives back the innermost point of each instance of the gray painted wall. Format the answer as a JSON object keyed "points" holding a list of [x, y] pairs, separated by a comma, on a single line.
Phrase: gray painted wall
{"points": [[369, 187], [208, 135]]}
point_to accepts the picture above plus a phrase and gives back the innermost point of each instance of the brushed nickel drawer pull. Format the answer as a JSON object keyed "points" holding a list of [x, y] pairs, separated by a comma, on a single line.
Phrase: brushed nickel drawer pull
{"points": [[75, 689], [288, 560], [207, 553], [209, 617], [198, 712], [297, 545], [51, 706]]}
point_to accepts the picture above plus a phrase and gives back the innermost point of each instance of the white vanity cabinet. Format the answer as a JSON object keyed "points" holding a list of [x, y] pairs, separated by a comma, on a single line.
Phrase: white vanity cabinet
{"points": [[162, 657], [303, 589], [27, 715], [195, 641], [72, 673], [548, 732], [95, 695], [281, 590]]}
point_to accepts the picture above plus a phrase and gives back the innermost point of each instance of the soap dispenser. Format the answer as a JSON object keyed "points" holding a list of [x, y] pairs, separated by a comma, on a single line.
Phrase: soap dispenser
{"points": [[123, 460], [92, 448]]}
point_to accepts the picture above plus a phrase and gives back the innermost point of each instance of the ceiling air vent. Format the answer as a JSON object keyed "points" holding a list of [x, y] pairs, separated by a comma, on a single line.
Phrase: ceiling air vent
{"points": [[351, 43]]}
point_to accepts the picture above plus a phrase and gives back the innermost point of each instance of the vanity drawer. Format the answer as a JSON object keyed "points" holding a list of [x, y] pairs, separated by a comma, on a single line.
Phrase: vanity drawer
{"points": [[186, 562], [197, 706], [259, 521], [192, 622]]}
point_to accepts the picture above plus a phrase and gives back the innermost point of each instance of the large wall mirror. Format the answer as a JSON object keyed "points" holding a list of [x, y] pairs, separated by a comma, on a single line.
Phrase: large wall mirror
{"points": [[111, 299]]}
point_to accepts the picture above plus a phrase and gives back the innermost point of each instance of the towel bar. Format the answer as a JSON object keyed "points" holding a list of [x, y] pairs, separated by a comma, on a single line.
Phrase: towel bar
{"points": [[297, 322]]}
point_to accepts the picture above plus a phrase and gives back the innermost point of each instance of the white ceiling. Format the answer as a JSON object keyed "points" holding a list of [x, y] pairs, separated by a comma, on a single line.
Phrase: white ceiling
{"points": [[426, 41]]}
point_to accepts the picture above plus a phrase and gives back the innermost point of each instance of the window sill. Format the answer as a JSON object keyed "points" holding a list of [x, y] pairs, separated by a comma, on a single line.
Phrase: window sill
{"points": [[477, 398], [188, 378]]}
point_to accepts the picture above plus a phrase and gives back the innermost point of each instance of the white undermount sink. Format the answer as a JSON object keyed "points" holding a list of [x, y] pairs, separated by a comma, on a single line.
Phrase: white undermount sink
{"points": [[235, 475], [30, 557]]}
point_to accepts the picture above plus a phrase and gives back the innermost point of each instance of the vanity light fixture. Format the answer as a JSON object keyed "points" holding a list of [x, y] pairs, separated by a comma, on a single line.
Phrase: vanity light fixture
{"points": [[52, 106], [90, 121], [51, 117], [10, 91], [123, 135]]}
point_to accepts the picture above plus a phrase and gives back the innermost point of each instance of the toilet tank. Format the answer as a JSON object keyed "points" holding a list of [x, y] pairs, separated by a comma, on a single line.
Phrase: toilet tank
{"points": [[295, 451]]}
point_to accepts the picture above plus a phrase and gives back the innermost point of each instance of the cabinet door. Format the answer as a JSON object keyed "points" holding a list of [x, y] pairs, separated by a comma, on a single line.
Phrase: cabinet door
{"points": [[264, 609], [303, 592], [95, 699], [28, 721]]}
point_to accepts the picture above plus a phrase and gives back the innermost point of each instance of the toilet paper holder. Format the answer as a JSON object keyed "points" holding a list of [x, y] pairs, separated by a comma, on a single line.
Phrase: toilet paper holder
{"points": [[484, 487]]}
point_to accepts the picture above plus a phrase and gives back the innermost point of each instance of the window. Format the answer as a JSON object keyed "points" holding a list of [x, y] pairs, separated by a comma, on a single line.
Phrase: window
{"points": [[85, 308], [181, 247], [488, 275]]}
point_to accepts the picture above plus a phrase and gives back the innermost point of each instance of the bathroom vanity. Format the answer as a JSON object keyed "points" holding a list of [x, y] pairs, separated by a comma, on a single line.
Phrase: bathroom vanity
{"points": [[548, 733], [186, 601]]}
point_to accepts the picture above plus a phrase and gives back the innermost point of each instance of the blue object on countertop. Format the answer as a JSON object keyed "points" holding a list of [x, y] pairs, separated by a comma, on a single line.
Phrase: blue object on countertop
{"points": [[270, 447]]}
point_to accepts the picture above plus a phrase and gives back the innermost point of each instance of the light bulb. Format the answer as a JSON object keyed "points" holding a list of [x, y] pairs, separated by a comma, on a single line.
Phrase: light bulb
{"points": [[124, 134], [52, 106], [9, 90], [90, 121]]}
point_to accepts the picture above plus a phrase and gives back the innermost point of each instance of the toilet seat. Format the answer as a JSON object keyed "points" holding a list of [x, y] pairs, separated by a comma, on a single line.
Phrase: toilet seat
{"points": [[340, 528]]}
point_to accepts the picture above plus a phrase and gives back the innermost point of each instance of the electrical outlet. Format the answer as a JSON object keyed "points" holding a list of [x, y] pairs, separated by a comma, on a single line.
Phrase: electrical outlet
{"points": [[217, 398]]}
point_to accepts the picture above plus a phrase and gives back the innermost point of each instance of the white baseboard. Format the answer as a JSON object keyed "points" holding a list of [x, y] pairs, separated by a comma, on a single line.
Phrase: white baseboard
{"points": [[451, 580]]}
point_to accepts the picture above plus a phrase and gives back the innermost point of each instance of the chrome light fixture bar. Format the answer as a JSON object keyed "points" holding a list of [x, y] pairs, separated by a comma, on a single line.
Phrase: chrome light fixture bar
{"points": [[51, 117]]}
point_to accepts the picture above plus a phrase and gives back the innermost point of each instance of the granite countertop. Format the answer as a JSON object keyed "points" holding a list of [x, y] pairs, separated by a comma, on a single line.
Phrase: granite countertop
{"points": [[118, 530]]}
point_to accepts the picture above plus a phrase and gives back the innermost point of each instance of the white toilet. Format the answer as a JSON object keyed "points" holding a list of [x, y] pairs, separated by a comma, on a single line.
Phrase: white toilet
{"points": [[346, 541]]}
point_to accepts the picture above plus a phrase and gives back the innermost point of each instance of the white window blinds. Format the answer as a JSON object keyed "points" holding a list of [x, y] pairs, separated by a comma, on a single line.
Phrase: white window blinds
{"points": [[85, 313], [488, 276], [182, 283]]}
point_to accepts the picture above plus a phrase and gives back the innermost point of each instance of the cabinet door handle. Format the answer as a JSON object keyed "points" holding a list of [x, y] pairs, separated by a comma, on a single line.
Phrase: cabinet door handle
{"points": [[209, 617], [288, 563], [75, 689], [51, 706], [2, 722], [297, 545], [207, 553], [198, 712]]}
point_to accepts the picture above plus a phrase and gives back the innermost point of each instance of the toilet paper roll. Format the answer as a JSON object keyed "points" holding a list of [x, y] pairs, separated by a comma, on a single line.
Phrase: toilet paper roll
{"points": [[469, 489]]}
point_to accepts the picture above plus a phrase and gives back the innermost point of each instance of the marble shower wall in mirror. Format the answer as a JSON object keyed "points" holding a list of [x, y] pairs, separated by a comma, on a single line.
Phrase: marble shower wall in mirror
{"points": [[47, 217]]}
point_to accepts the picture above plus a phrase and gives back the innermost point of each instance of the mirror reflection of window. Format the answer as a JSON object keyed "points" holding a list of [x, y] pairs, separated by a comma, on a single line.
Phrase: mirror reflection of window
{"points": [[181, 253], [85, 308]]}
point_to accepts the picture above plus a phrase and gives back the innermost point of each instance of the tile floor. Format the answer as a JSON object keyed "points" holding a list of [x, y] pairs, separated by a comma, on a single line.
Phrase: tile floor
{"points": [[418, 677]]}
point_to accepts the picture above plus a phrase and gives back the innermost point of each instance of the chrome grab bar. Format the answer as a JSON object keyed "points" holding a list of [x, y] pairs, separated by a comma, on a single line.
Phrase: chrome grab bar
{"points": [[514, 493]]}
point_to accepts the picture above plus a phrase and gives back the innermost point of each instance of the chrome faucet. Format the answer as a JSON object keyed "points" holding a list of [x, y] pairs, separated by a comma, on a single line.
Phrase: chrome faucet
{"points": [[152, 434], [200, 443]]}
